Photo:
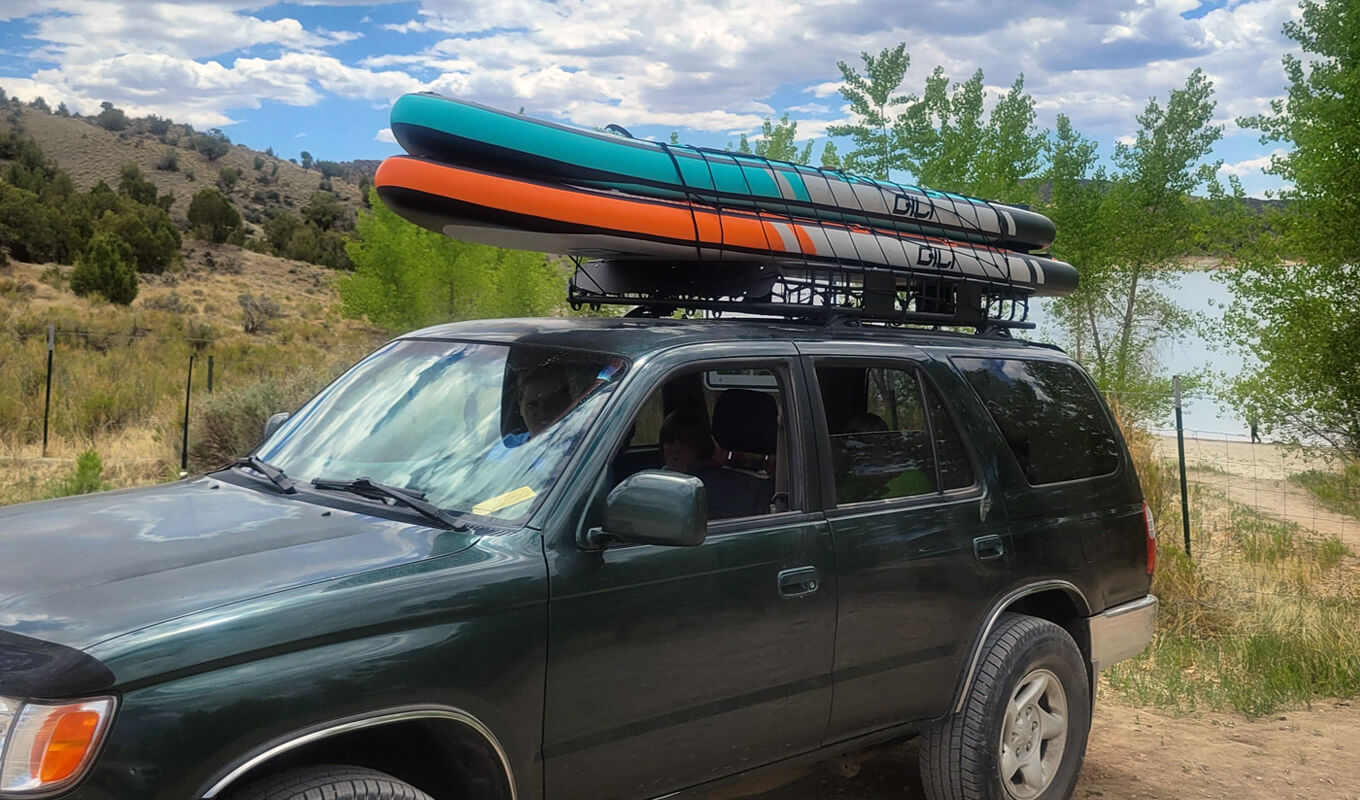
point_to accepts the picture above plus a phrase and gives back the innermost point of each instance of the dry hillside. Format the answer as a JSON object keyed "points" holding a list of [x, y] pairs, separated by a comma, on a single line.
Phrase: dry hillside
{"points": [[91, 154]]}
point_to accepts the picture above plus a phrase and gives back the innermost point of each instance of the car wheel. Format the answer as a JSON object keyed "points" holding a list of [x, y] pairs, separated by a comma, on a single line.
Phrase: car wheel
{"points": [[1022, 732], [330, 783]]}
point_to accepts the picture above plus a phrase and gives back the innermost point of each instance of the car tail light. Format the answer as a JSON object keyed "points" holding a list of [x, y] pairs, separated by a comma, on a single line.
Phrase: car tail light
{"points": [[50, 746], [1150, 525]]}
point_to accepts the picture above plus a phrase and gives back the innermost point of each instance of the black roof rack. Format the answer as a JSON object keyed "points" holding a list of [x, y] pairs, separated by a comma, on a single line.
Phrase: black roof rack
{"points": [[822, 293]]}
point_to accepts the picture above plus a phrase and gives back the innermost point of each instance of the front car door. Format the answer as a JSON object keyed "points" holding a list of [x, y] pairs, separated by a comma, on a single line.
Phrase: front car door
{"points": [[671, 666], [920, 546]]}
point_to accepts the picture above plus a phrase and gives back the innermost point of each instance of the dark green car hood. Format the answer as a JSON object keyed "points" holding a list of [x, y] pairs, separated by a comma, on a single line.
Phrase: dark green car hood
{"points": [[80, 571]]}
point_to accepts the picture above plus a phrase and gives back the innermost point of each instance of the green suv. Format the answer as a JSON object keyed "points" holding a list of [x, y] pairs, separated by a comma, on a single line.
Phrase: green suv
{"points": [[583, 559]]}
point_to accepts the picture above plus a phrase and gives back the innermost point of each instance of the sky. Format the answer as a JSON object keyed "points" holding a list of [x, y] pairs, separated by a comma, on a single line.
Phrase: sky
{"points": [[320, 75]]}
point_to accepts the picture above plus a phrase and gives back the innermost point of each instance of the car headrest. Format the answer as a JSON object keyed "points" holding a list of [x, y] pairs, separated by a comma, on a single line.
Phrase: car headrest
{"points": [[746, 421]]}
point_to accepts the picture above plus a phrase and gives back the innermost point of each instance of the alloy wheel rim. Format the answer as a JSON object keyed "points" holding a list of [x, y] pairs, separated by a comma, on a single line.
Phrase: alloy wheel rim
{"points": [[1034, 735]]}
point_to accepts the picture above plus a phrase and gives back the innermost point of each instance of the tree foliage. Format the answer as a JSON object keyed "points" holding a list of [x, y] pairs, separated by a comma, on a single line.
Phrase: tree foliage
{"points": [[105, 268], [1300, 322], [777, 141], [407, 277], [212, 145], [1126, 234], [153, 240], [212, 216], [944, 138], [112, 118], [874, 99], [136, 186]]}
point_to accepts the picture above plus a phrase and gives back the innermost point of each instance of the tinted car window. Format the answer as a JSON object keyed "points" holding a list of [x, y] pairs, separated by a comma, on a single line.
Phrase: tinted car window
{"points": [[881, 446], [1050, 415]]}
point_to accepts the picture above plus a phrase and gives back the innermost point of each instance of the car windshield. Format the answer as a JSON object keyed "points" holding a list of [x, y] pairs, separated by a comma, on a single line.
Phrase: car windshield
{"points": [[480, 429]]}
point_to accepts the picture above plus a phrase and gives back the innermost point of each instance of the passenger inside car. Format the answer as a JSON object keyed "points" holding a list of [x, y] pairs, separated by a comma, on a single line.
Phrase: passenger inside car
{"points": [[686, 441], [737, 455]]}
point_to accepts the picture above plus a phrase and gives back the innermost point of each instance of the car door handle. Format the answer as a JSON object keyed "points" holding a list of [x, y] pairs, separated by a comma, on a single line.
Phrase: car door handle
{"points": [[986, 548], [799, 582]]}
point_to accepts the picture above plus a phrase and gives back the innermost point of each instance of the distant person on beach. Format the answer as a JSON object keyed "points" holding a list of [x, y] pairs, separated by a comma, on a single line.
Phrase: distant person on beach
{"points": [[1255, 437]]}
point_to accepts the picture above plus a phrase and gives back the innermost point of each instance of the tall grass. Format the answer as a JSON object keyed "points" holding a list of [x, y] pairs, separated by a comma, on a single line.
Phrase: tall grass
{"points": [[1336, 491], [119, 376], [1266, 616]]}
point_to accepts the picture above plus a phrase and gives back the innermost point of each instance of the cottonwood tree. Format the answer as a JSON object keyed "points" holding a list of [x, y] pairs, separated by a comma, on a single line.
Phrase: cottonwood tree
{"points": [[1300, 321], [873, 98], [944, 138], [407, 277], [1149, 217]]}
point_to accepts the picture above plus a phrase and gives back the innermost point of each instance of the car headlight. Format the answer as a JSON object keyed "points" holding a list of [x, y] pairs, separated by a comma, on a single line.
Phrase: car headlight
{"points": [[48, 746]]}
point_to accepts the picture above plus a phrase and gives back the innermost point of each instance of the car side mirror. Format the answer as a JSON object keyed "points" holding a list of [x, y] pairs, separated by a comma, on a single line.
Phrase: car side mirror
{"points": [[274, 422], [654, 507]]}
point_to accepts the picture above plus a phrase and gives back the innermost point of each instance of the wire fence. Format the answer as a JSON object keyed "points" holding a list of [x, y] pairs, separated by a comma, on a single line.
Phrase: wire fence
{"points": [[63, 386]]}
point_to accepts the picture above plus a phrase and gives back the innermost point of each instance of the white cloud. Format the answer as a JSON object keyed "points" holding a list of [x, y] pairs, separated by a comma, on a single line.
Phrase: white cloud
{"points": [[385, 135], [707, 65], [1250, 165], [825, 89]]}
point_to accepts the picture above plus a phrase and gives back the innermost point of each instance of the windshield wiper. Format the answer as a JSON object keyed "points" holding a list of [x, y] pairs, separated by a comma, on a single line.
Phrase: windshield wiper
{"points": [[365, 487], [273, 473]]}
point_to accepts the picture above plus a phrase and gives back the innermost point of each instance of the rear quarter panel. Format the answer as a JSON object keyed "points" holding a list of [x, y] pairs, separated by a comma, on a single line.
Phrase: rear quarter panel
{"points": [[1086, 532]]}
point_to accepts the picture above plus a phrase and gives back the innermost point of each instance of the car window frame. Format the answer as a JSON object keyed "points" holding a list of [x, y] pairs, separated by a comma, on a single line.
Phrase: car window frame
{"points": [[924, 382], [796, 434]]}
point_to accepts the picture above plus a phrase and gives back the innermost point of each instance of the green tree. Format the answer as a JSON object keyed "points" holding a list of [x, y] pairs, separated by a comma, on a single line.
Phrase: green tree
{"points": [[40, 104], [134, 185], [830, 158], [212, 145], [950, 143], [32, 230], [105, 268], [158, 126], [152, 239], [1148, 220], [279, 229], [777, 141], [1300, 322], [306, 160], [326, 212], [1076, 204], [112, 118], [227, 178], [62, 110], [407, 277], [874, 99], [212, 216]]}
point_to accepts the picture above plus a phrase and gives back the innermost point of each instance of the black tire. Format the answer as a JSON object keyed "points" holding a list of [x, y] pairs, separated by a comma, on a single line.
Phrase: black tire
{"points": [[961, 756], [330, 783]]}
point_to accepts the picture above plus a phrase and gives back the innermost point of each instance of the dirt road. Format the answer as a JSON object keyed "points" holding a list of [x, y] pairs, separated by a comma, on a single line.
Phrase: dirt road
{"points": [[1138, 754]]}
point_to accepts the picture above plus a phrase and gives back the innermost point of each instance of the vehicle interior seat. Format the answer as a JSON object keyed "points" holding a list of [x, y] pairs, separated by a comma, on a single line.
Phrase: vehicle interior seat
{"points": [[746, 425]]}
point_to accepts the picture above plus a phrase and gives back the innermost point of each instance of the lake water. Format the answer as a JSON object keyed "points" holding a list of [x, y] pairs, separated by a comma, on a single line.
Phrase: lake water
{"points": [[1196, 291]]}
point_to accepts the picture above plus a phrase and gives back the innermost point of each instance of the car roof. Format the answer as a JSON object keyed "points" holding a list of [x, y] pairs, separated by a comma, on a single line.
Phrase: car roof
{"points": [[634, 337]]}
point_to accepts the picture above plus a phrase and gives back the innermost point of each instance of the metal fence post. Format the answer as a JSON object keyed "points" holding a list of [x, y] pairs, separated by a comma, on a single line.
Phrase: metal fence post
{"points": [[210, 373], [184, 446], [1180, 449], [47, 400]]}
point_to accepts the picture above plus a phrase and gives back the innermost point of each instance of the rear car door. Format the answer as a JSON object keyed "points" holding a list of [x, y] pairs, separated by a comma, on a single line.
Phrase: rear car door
{"points": [[920, 546], [1074, 503], [671, 666]]}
